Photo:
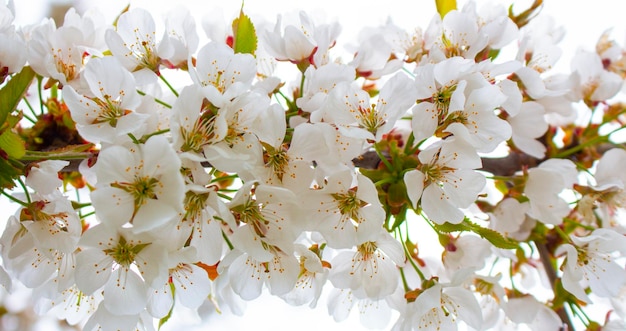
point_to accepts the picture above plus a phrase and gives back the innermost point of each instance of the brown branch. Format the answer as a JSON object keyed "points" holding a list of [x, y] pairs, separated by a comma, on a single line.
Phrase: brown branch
{"points": [[545, 257]]}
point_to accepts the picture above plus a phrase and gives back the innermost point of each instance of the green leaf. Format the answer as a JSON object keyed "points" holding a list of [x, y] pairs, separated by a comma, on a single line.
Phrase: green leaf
{"points": [[169, 313], [117, 18], [449, 227], [244, 34], [524, 17], [7, 174], [444, 6], [494, 237], [13, 91], [12, 144]]}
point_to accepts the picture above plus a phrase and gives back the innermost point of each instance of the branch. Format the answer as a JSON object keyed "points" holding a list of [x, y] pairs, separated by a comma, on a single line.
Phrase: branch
{"points": [[545, 255]]}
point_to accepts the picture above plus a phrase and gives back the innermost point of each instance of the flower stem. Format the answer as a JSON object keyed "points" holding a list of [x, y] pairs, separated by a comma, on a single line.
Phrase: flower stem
{"points": [[230, 245], [168, 85], [32, 110], [159, 101], [38, 156], [41, 103], [404, 282], [588, 143], [30, 119], [409, 257], [19, 180], [14, 199], [382, 157]]}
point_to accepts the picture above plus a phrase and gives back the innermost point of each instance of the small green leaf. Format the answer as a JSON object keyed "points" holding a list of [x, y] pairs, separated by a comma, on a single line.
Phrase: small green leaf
{"points": [[12, 144], [244, 34], [13, 91], [494, 237], [8, 173], [449, 227], [169, 313], [117, 18], [445, 6], [524, 17]]}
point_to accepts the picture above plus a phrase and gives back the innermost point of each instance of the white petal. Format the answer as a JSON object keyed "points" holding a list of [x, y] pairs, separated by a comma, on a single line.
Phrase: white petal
{"points": [[160, 301], [192, 287], [207, 239], [113, 206], [245, 277], [438, 207], [5, 280], [424, 121], [93, 269], [125, 293], [414, 181], [467, 307]]}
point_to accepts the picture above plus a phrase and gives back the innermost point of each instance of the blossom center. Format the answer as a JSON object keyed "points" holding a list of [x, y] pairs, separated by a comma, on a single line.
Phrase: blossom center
{"points": [[202, 133], [124, 253], [56, 222], [250, 213], [142, 189], [369, 119], [144, 50], [276, 159], [65, 66], [348, 203], [110, 110]]}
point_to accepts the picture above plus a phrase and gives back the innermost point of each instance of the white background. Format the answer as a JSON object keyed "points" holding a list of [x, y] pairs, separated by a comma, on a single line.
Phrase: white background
{"points": [[584, 21]]}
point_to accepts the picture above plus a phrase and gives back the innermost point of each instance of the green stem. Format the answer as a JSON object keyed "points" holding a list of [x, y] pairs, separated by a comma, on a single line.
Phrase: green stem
{"points": [[39, 83], [21, 182], [493, 265], [502, 178], [159, 101], [511, 275], [30, 119], [290, 104], [584, 226], [54, 91], [562, 234], [409, 143], [230, 245], [223, 178], [39, 156], [382, 157], [588, 143], [580, 313], [408, 150], [385, 181], [79, 204], [168, 85], [224, 196], [134, 139], [32, 110], [404, 282], [226, 190], [409, 257], [301, 92], [14, 199], [156, 133], [409, 72]]}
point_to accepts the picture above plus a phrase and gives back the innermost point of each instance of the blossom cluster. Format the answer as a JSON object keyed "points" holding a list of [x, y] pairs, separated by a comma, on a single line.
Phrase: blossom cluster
{"points": [[236, 179]]}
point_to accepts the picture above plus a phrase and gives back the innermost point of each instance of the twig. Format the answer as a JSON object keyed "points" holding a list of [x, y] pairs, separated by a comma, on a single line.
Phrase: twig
{"points": [[544, 255]]}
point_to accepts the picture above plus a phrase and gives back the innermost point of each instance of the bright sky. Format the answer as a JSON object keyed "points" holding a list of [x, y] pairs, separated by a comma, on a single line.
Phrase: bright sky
{"points": [[584, 21]]}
